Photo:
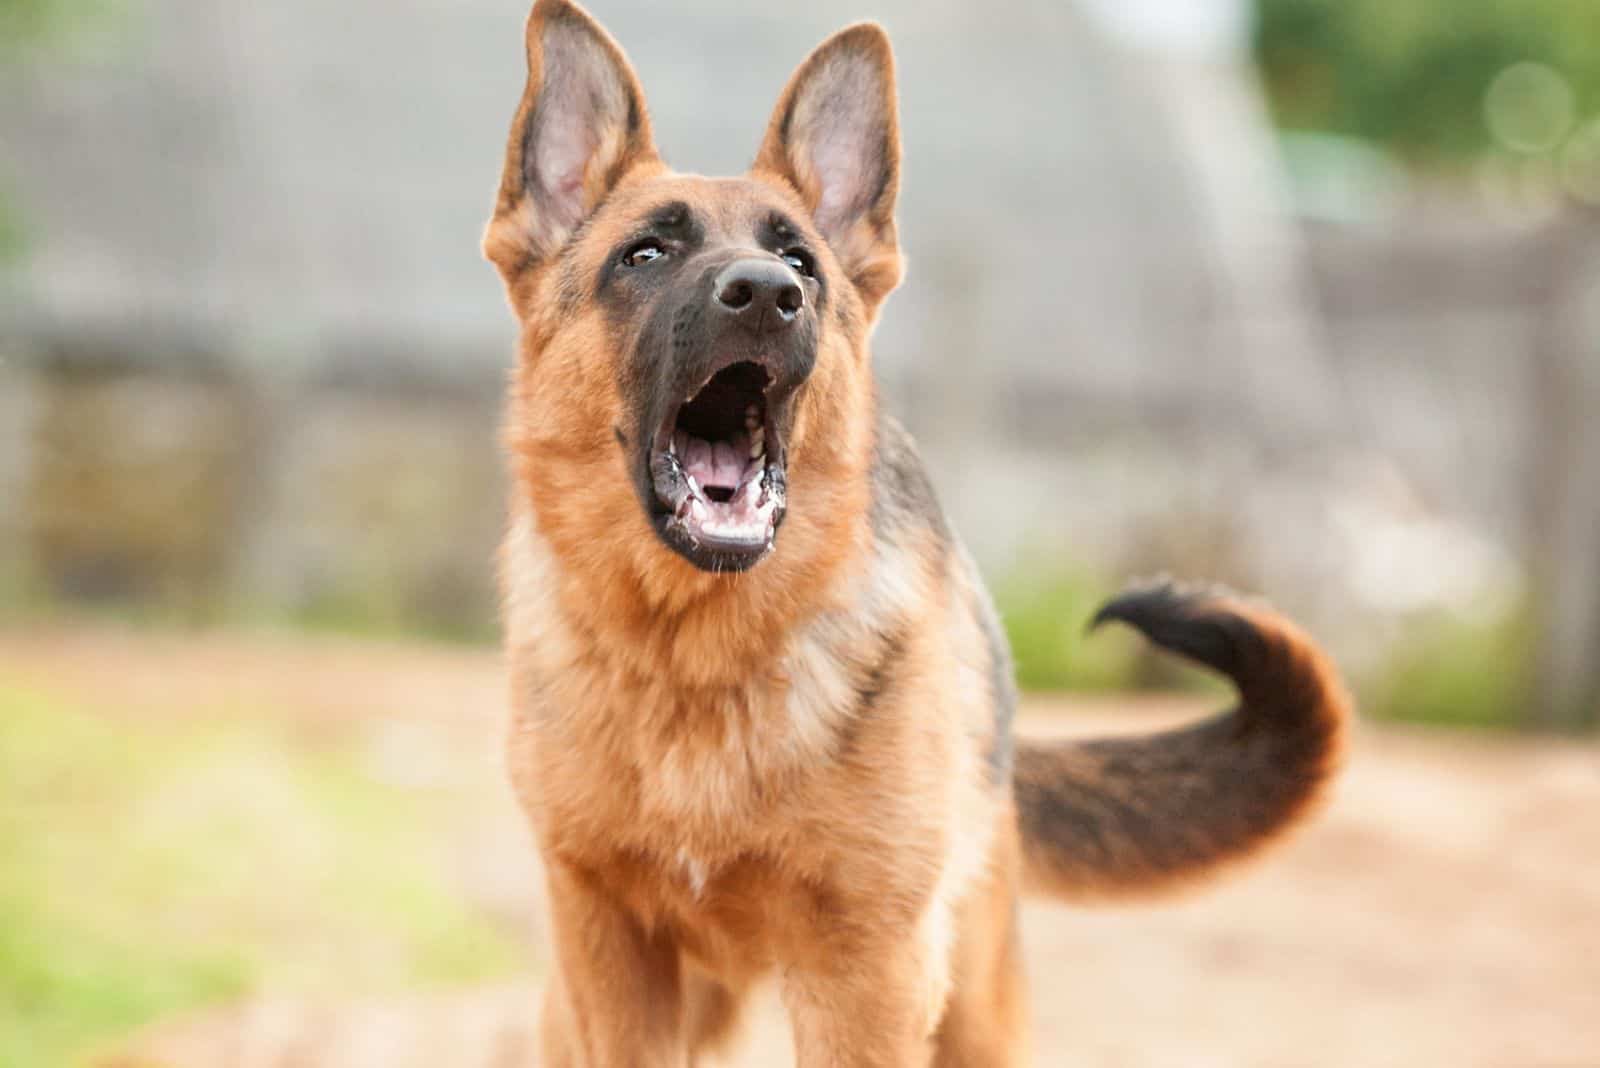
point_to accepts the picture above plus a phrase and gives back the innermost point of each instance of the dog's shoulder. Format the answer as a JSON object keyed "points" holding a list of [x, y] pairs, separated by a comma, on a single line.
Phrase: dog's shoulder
{"points": [[903, 497]]}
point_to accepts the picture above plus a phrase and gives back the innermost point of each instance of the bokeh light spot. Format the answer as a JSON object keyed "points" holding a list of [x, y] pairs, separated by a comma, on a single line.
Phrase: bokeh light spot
{"points": [[1529, 107]]}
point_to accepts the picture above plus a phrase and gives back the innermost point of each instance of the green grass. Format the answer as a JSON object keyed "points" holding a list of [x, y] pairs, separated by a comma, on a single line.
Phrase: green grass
{"points": [[1447, 670], [147, 869], [1456, 672], [1046, 608], [1045, 611]]}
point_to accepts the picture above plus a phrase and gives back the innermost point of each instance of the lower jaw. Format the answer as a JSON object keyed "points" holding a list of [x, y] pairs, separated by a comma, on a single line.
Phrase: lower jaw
{"points": [[723, 536], [712, 556]]}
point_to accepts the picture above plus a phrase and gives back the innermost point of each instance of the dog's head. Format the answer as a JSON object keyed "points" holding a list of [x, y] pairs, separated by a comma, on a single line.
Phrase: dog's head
{"points": [[694, 350]]}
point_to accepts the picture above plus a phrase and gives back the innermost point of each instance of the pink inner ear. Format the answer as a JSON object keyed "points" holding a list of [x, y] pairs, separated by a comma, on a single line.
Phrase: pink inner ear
{"points": [[842, 175], [562, 156], [582, 107], [839, 134]]}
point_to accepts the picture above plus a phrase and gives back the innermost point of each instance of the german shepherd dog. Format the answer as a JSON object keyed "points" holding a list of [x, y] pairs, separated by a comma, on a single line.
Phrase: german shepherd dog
{"points": [[762, 705]]}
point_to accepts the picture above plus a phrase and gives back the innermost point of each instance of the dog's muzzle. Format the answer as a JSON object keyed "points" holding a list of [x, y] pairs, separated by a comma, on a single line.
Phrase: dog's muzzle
{"points": [[717, 460]]}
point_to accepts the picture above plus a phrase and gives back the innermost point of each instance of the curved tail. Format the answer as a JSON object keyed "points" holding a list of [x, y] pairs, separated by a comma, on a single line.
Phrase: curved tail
{"points": [[1122, 816]]}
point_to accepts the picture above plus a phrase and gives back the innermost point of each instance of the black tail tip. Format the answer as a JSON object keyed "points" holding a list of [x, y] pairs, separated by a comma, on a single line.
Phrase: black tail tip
{"points": [[1196, 622]]}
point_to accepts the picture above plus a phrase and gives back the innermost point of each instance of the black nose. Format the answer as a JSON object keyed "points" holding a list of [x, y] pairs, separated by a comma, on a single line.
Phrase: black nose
{"points": [[764, 294]]}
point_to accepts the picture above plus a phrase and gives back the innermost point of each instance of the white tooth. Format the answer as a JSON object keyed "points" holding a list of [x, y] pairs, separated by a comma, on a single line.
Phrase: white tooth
{"points": [[758, 445], [672, 445]]}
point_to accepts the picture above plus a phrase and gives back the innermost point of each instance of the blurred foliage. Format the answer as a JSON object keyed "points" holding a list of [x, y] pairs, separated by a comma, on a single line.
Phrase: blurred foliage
{"points": [[183, 858], [23, 22], [1045, 610], [1412, 75], [30, 29], [1452, 670], [1457, 671], [27, 26], [13, 234]]}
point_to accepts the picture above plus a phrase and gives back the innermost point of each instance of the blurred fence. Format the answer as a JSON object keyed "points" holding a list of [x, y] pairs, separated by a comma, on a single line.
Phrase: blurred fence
{"points": [[1469, 351], [1465, 446], [251, 361], [205, 494]]}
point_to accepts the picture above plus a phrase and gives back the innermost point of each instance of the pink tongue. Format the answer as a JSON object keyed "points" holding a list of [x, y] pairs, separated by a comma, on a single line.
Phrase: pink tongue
{"points": [[721, 465], [730, 465], [697, 460]]}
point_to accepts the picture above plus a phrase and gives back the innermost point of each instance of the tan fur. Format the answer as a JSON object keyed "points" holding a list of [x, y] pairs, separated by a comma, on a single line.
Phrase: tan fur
{"points": [[800, 770]]}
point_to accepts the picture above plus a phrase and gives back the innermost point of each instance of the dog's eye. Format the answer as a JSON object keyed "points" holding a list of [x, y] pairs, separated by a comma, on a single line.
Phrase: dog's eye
{"points": [[800, 260], [646, 251]]}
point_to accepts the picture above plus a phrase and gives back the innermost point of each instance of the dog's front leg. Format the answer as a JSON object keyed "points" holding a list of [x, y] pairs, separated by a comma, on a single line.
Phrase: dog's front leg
{"points": [[868, 1007], [616, 1000]]}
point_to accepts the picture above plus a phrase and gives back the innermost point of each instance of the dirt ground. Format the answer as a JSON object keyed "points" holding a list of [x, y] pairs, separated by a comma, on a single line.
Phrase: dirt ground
{"points": [[1443, 911]]}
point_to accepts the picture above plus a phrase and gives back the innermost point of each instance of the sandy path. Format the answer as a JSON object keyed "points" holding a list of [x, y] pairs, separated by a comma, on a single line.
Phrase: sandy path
{"points": [[1444, 911]]}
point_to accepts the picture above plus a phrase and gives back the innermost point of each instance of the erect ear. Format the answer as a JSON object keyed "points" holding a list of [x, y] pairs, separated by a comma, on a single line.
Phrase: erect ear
{"points": [[580, 127], [835, 136]]}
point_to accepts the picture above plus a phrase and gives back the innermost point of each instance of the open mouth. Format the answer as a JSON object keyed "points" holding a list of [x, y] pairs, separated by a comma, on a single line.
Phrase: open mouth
{"points": [[716, 465]]}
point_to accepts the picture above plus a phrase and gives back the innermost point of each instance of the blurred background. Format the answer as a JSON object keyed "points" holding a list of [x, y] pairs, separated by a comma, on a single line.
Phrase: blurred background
{"points": [[1303, 295]]}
